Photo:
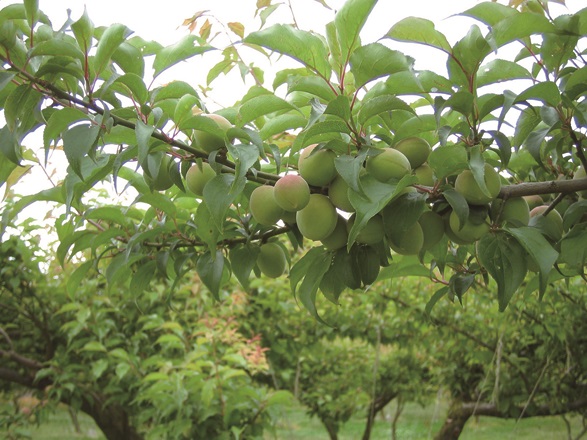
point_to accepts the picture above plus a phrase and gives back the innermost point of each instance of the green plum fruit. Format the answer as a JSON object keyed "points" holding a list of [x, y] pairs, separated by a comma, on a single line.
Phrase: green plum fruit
{"points": [[514, 210], [271, 260], [372, 232], [198, 176], [263, 206], [467, 186], [289, 217], [318, 219], [339, 237], [550, 224], [162, 181], [432, 227], [291, 192], [407, 242], [415, 149], [338, 191], [534, 201], [425, 175], [317, 168], [389, 164], [209, 142], [475, 227]]}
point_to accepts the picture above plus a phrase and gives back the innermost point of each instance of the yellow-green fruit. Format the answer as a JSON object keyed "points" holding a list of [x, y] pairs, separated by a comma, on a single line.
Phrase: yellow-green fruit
{"points": [[551, 224], [317, 168], [209, 142], [425, 175], [338, 191], [263, 206], [467, 186], [271, 260], [415, 149], [372, 232], [408, 242], [162, 181], [474, 228], [514, 210], [289, 217], [198, 176], [318, 219], [580, 174], [291, 192], [534, 201], [432, 228], [339, 237], [389, 164]]}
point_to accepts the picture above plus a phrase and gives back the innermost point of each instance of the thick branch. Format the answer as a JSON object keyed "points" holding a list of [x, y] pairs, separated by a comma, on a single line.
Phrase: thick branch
{"points": [[22, 360], [550, 187]]}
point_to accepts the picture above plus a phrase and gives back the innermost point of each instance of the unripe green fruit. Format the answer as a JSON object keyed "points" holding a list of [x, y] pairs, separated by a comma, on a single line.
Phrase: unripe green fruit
{"points": [[263, 206], [471, 231], [318, 219], [580, 174], [209, 142], [408, 242], [372, 232], [338, 191], [368, 264], [432, 228], [289, 217], [534, 201], [425, 175], [389, 164], [291, 192], [197, 177], [467, 186], [318, 168], [271, 260], [339, 237], [162, 181], [551, 224], [415, 149], [514, 210]]}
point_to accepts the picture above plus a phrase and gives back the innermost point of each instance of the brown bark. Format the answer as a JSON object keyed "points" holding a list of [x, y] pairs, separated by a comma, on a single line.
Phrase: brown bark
{"points": [[374, 408], [112, 419]]}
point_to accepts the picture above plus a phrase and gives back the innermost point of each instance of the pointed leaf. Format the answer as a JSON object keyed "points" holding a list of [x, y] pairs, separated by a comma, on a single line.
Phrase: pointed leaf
{"points": [[187, 47], [376, 61], [419, 30], [349, 21]]}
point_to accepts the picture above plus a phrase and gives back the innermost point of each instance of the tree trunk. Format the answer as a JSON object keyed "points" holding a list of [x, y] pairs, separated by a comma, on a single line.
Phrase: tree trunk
{"points": [[374, 408], [332, 430], [454, 423]]}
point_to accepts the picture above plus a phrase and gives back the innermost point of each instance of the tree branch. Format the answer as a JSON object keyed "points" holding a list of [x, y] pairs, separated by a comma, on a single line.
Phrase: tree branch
{"points": [[550, 187]]}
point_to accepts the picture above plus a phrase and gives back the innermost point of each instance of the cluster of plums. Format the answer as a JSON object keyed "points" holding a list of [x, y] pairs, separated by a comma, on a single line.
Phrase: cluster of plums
{"points": [[316, 200]]}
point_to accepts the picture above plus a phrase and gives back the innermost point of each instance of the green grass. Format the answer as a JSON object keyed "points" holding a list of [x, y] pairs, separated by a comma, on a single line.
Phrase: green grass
{"points": [[415, 423]]}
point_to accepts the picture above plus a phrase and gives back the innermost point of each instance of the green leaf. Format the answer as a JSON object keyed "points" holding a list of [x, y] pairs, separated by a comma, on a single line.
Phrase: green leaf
{"points": [[109, 42], [546, 92], [419, 30], [94, 346], [142, 277], [458, 204], [311, 268], [300, 45], [497, 71], [134, 84], [340, 107], [143, 134], [447, 160], [541, 251], [312, 84], [477, 167], [282, 123], [210, 268], [57, 47], [381, 104], [471, 51], [219, 193], [259, 106], [349, 21], [374, 61], [9, 146], [32, 12], [78, 142], [528, 120], [438, 295], [187, 47], [490, 13], [321, 132], [83, 30], [242, 261], [517, 27], [505, 260]]}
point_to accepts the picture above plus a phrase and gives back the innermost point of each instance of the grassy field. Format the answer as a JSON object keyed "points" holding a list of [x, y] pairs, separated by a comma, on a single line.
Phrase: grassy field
{"points": [[416, 423]]}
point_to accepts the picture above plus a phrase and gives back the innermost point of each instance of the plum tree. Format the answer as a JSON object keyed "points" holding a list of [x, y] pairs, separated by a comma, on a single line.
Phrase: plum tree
{"points": [[197, 176], [318, 219], [388, 164], [317, 167], [263, 206], [272, 260], [209, 142], [291, 192], [466, 185], [415, 149]]}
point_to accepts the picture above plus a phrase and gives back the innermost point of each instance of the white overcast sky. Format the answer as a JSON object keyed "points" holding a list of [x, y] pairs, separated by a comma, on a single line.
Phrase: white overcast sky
{"points": [[162, 21]]}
